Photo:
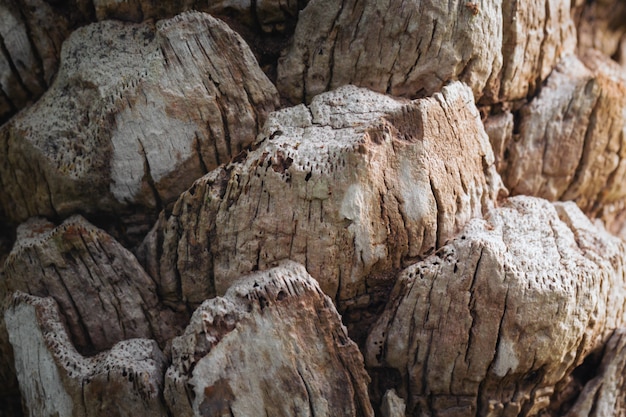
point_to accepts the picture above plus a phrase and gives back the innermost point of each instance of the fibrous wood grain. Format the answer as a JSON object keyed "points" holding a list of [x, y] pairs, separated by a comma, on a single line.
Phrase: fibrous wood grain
{"points": [[56, 380], [502, 50], [104, 296], [135, 115], [402, 48], [495, 319], [31, 34], [568, 141], [535, 36], [273, 345], [354, 186], [604, 394]]}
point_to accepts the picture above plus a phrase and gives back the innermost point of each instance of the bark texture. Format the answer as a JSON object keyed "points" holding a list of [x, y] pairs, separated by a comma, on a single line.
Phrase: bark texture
{"points": [[32, 32], [355, 186], [273, 345], [379, 206], [466, 329], [567, 143], [135, 115], [502, 50], [602, 396], [103, 293], [125, 381], [31, 35], [601, 26]]}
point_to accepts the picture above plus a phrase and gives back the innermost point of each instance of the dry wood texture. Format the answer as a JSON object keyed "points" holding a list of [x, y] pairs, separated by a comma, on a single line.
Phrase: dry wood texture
{"points": [[312, 208]]}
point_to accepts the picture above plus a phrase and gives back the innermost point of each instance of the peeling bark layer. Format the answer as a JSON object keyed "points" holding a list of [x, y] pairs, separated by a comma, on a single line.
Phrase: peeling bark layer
{"points": [[136, 114], [355, 186], [273, 345], [466, 329], [56, 380], [103, 293], [569, 140]]}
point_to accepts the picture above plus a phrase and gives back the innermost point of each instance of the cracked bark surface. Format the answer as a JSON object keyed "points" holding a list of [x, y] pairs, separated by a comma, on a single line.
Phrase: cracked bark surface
{"points": [[379, 182], [273, 343], [412, 48], [572, 131], [474, 304], [465, 329], [159, 107], [32, 33], [57, 380], [535, 36], [602, 395], [301, 361], [104, 295]]}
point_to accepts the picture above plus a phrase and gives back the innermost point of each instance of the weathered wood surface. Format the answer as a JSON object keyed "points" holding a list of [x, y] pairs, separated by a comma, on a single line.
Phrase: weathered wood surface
{"points": [[57, 380], [568, 142], [273, 345], [104, 295], [601, 26], [493, 321], [604, 394], [32, 32], [519, 307], [135, 115], [355, 187], [502, 50]]}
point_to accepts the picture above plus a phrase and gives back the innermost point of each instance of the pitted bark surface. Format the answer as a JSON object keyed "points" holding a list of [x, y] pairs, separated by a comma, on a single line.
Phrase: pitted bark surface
{"points": [[103, 293], [135, 115], [466, 329], [402, 48], [354, 186], [56, 380], [569, 140], [412, 48], [273, 345]]}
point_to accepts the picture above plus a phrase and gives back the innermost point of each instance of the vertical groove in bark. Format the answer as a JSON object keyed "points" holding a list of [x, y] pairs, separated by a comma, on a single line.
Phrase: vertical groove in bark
{"points": [[103, 294], [144, 107], [355, 170], [490, 282], [569, 140]]}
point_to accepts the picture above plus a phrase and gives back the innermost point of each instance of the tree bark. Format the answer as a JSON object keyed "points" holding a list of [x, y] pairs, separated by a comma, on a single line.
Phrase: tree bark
{"points": [[312, 208]]}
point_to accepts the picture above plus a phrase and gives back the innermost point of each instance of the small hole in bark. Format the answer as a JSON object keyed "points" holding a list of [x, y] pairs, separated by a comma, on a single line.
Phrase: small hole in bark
{"points": [[281, 295]]}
